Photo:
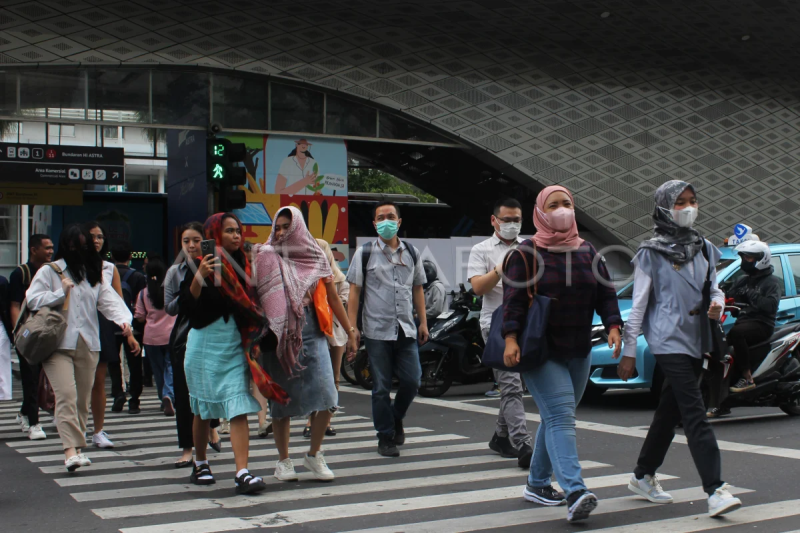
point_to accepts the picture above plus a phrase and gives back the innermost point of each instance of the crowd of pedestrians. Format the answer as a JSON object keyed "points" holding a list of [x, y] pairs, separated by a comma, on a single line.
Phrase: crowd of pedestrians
{"points": [[231, 330]]}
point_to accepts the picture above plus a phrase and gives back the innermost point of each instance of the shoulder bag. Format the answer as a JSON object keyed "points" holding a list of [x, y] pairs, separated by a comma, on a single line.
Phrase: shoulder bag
{"points": [[719, 340], [532, 337], [37, 334]]}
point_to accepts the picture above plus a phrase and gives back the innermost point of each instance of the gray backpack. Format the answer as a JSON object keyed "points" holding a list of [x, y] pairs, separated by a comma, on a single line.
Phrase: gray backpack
{"points": [[37, 334]]}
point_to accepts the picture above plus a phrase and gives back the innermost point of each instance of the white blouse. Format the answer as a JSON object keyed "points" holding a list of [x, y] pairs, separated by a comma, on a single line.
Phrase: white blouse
{"points": [[84, 302]]}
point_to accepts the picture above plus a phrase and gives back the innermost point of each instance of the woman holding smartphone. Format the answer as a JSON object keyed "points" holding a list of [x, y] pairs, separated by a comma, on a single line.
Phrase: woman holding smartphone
{"points": [[220, 304]]}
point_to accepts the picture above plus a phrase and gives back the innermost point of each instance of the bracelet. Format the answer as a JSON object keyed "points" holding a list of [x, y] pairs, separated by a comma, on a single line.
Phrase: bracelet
{"points": [[352, 329]]}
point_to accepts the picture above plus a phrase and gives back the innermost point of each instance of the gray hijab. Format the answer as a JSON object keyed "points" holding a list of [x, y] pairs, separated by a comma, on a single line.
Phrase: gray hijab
{"points": [[680, 245]]}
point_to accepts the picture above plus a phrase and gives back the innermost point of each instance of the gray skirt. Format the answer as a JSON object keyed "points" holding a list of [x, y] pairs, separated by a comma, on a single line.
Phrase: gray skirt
{"points": [[312, 389]]}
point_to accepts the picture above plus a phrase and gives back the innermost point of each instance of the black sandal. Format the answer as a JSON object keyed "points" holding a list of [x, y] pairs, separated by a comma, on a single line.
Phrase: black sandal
{"points": [[184, 464], [201, 475], [247, 483], [307, 432], [330, 432]]}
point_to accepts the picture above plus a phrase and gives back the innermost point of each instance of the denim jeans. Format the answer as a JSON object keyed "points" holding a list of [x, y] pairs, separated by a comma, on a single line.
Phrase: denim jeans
{"points": [[401, 358], [557, 388], [162, 369]]}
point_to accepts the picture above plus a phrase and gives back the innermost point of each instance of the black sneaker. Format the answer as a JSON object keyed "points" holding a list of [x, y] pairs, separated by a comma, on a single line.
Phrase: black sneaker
{"points": [[387, 448], [743, 385], [525, 456], [399, 433], [133, 407], [247, 483], [503, 446], [119, 403], [581, 504], [716, 412], [201, 475], [544, 496]]}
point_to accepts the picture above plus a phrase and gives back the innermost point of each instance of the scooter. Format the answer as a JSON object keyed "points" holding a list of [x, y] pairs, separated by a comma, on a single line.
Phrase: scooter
{"points": [[776, 372], [454, 349]]}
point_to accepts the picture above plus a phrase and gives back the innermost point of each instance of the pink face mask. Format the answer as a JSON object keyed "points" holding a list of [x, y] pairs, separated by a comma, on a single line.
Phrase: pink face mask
{"points": [[561, 219]]}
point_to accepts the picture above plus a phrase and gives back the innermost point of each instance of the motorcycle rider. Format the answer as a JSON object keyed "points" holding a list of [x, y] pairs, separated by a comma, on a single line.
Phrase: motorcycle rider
{"points": [[759, 290], [435, 294]]}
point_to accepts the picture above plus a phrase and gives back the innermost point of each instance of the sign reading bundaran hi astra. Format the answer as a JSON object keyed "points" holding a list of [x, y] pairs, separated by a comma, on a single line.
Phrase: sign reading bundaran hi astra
{"points": [[41, 163]]}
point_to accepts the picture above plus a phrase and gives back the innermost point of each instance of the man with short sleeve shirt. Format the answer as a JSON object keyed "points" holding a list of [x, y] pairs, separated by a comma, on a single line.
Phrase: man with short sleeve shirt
{"points": [[41, 252], [484, 272], [392, 292]]}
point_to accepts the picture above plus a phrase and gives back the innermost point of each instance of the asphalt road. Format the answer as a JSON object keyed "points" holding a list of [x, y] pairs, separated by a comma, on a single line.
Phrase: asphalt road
{"points": [[447, 480]]}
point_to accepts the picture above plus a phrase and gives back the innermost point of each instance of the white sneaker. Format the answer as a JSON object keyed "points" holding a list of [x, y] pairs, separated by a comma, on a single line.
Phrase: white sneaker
{"points": [[101, 440], [73, 463], [22, 420], [84, 460], [318, 466], [36, 433], [649, 487], [284, 470], [722, 502], [224, 427]]}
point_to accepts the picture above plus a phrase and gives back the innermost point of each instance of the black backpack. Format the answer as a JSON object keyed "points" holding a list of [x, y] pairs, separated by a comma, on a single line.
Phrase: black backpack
{"points": [[366, 252], [127, 290]]}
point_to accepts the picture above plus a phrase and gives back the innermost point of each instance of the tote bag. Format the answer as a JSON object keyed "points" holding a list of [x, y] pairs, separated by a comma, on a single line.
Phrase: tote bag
{"points": [[532, 338]]}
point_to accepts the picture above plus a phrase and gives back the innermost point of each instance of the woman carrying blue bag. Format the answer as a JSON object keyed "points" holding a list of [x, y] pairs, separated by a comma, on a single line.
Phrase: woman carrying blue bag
{"points": [[577, 283]]}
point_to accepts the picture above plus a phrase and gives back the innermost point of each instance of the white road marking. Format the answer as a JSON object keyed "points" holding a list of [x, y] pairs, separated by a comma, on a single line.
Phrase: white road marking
{"points": [[263, 452], [334, 512], [788, 453]]}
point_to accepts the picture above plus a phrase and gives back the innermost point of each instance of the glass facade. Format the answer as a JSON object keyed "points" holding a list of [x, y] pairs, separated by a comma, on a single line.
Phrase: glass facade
{"points": [[191, 98]]}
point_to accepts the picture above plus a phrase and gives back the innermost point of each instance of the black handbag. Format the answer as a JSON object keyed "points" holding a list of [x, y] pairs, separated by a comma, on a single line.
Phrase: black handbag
{"points": [[532, 339], [719, 339]]}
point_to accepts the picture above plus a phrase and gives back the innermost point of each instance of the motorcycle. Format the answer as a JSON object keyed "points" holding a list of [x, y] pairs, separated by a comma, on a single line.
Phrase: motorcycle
{"points": [[453, 351], [776, 372]]}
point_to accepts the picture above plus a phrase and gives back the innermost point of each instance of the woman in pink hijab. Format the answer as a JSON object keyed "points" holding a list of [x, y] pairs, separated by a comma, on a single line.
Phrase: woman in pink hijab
{"points": [[578, 286]]}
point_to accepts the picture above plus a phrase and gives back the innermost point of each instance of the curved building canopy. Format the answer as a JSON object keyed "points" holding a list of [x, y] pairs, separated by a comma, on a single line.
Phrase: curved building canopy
{"points": [[610, 98]]}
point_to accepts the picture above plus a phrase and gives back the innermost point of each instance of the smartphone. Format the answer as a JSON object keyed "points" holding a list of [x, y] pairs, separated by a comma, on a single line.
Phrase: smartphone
{"points": [[208, 247]]}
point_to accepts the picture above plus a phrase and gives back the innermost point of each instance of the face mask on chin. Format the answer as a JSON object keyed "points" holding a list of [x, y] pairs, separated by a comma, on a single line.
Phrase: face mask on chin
{"points": [[509, 230]]}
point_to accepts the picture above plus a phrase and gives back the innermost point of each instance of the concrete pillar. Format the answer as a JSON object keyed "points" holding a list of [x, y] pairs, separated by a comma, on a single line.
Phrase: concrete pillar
{"points": [[161, 181], [24, 240]]}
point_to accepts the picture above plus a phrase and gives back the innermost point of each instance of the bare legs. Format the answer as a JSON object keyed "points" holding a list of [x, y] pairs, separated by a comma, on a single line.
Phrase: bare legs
{"points": [[319, 423], [99, 397], [200, 432], [240, 441]]}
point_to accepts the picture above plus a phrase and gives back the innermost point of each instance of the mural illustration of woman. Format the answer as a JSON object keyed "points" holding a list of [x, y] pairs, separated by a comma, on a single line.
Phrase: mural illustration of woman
{"points": [[297, 171]]}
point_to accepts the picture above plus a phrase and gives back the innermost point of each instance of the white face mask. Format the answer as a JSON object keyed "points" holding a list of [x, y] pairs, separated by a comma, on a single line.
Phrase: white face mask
{"points": [[509, 230], [684, 217]]}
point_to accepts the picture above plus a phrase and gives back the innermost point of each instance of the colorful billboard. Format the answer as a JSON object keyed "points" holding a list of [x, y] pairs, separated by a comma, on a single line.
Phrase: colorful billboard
{"points": [[306, 172]]}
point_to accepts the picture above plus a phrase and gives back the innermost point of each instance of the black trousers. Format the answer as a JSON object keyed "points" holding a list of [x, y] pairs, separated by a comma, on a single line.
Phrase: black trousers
{"points": [[30, 390], [184, 418], [135, 368], [681, 400], [743, 335]]}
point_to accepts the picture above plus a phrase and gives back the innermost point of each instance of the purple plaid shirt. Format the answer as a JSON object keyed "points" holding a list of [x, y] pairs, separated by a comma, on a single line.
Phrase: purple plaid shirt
{"points": [[569, 328]]}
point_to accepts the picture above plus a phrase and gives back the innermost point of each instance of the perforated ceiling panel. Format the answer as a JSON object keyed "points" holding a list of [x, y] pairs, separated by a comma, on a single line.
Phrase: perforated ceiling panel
{"points": [[607, 98]]}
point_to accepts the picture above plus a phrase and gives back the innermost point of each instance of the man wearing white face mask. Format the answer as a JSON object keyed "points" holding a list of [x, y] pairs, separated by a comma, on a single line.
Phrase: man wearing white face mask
{"points": [[484, 271]]}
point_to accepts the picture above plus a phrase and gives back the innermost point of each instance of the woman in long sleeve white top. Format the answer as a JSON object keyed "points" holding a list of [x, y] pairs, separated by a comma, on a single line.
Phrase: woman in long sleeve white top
{"points": [[71, 368], [669, 308]]}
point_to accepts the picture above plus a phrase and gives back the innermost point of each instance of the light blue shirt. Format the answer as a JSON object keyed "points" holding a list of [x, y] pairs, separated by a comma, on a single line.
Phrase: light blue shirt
{"points": [[388, 302]]}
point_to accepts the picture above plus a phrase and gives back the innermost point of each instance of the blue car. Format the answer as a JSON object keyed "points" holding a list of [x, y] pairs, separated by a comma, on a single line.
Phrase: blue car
{"points": [[603, 376]]}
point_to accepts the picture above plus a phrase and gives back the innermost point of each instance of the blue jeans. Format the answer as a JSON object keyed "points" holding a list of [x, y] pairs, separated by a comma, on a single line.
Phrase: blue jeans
{"points": [[401, 358], [557, 388], [162, 369]]}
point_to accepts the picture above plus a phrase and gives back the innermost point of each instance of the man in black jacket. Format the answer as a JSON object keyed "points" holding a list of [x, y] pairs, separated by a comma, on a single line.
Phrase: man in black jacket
{"points": [[760, 292]]}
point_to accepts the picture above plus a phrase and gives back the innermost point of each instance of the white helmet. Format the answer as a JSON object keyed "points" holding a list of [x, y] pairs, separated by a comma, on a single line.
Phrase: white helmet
{"points": [[757, 249]]}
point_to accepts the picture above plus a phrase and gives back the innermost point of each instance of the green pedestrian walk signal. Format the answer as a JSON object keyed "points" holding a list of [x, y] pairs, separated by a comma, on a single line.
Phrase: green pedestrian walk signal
{"points": [[225, 173]]}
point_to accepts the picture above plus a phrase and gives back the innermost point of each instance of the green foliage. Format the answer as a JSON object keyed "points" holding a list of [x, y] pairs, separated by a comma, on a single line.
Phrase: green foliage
{"points": [[373, 180]]}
